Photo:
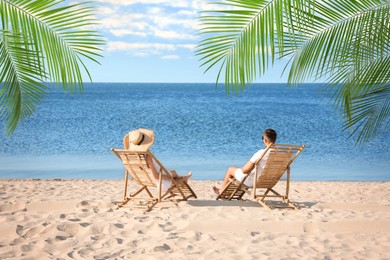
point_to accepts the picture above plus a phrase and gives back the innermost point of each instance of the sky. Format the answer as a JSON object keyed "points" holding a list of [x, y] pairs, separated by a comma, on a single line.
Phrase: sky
{"points": [[154, 41]]}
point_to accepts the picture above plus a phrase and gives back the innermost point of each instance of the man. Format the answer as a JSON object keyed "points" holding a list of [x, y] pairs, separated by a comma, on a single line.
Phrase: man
{"points": [[268, 138]]}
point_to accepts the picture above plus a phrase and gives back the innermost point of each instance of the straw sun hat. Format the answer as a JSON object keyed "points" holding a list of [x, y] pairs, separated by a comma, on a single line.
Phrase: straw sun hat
{"points": [[139, 140]]}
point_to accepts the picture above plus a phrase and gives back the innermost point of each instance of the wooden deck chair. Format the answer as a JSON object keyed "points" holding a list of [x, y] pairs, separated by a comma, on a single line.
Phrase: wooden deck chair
{"points": [[281, 156], [136, 167]]}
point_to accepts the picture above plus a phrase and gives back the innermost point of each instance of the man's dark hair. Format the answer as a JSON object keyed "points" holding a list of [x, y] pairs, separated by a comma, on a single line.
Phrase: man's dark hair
{"points": [[271, 134]]}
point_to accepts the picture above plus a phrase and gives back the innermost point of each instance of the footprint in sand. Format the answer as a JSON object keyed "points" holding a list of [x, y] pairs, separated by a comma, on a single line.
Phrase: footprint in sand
{"points": [[142, 219], [71, 229], [13, 206], [167, 227], [27, 232], [85, 224], [119, 225], [162, 248]]}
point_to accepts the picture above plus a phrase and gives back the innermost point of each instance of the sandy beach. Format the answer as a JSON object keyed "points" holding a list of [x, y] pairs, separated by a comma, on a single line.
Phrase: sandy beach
{"points": [[78, 219]]}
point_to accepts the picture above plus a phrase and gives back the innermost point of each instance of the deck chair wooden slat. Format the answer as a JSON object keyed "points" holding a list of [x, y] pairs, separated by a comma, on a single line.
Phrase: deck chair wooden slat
{"points": [[281, 156], [136, 169], [274, 169]]}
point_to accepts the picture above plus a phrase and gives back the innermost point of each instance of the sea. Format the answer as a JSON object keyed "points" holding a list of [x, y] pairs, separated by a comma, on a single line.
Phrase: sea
{"points": [[198, 127]]}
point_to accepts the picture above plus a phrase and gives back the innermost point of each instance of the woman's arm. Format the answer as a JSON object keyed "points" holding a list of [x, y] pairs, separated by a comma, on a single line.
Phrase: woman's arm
{"points": [[149, 161]]}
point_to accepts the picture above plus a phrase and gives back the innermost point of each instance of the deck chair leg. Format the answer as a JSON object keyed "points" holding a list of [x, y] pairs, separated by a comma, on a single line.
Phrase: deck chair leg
{"points": [[126, 199], [148, 191], [288, 190], [289, 203], [182, 194], [234, 192], [261, 200], [137, 192], [191, 191], [288, 182], [150, 207], [285, 199], [126, 182], [182, 188], [137, 167], [263, 203]]}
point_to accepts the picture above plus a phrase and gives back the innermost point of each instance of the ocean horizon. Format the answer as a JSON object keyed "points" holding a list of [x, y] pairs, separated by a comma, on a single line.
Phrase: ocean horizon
{"points": [[198, 128]]}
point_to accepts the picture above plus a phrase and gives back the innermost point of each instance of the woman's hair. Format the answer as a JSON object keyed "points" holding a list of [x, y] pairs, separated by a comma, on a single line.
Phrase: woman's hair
{"points": [[271, 134]]}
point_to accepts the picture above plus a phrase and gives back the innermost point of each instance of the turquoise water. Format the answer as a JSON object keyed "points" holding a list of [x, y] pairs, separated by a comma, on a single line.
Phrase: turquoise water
{"points": [[197, 126]]}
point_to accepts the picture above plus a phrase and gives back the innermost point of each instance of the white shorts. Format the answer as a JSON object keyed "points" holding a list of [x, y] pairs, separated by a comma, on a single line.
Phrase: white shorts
{"points": [[239, 175]]}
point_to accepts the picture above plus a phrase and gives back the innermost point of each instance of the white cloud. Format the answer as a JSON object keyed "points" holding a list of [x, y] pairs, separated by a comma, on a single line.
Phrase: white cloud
{"points": [[120, 21], [125, 46], [104, 10], [187, 13], [164, 21], [187, 46], [165, 51], [173, 35], [123, 20], [170, 57], [172, 3], [149, 27], [123, 32], [154, 10], [201, 5]]}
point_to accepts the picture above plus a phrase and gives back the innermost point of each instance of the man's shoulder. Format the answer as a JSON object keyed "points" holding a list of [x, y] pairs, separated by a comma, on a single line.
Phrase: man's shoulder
{"points": [[261, 151], [257, 154]]}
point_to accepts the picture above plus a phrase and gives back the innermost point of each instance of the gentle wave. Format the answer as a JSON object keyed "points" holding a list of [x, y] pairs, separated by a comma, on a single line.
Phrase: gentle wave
{"points": [[198, 127]]}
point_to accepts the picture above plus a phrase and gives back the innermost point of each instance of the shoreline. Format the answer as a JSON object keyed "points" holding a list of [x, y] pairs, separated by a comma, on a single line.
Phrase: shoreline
{"points": [[75, 219], [192, 179], [108, 168]]}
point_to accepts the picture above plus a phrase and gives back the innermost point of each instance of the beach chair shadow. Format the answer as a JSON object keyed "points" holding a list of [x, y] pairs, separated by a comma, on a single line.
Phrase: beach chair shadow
{"points": [[281, 156], [305, 204], [219, 203], [149, 192]]}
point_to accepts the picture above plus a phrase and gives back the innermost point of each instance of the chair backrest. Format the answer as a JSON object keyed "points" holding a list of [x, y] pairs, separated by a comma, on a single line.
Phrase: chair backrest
{"points": [[126, 142], [136, 165], [281, 156]]}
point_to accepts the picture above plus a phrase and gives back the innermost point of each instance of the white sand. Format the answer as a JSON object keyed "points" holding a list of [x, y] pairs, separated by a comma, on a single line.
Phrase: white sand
{"points": [[78, 219]]}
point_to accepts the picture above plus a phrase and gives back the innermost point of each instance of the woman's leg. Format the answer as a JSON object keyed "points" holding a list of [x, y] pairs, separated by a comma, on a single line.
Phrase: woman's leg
{"points": [[176, 176]]}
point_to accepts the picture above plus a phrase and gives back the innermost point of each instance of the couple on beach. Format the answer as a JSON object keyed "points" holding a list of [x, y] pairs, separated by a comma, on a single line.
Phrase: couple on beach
{"points": [[144, 138]]}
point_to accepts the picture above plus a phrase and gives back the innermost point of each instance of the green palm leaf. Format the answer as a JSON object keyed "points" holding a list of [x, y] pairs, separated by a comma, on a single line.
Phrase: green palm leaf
{"points": [[344, 42], [22, 87], [370, 113], [242, 39], [50, 41], [353, 56], [348, 41]]}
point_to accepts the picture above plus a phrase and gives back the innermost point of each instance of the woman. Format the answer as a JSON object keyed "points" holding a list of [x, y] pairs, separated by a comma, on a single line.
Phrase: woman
{"points": [[141, 140], [268, 138]]}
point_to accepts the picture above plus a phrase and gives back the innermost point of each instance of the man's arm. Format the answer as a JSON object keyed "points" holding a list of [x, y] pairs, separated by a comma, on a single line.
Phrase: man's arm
{"points": [[248, 167]]}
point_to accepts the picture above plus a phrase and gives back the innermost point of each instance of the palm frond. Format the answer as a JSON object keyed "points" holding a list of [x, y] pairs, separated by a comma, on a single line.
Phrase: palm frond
{"points": [[344, 42], [349, 41], [241, 39], [354, 55], [56, 39], [21, 75], [370, 114]]}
